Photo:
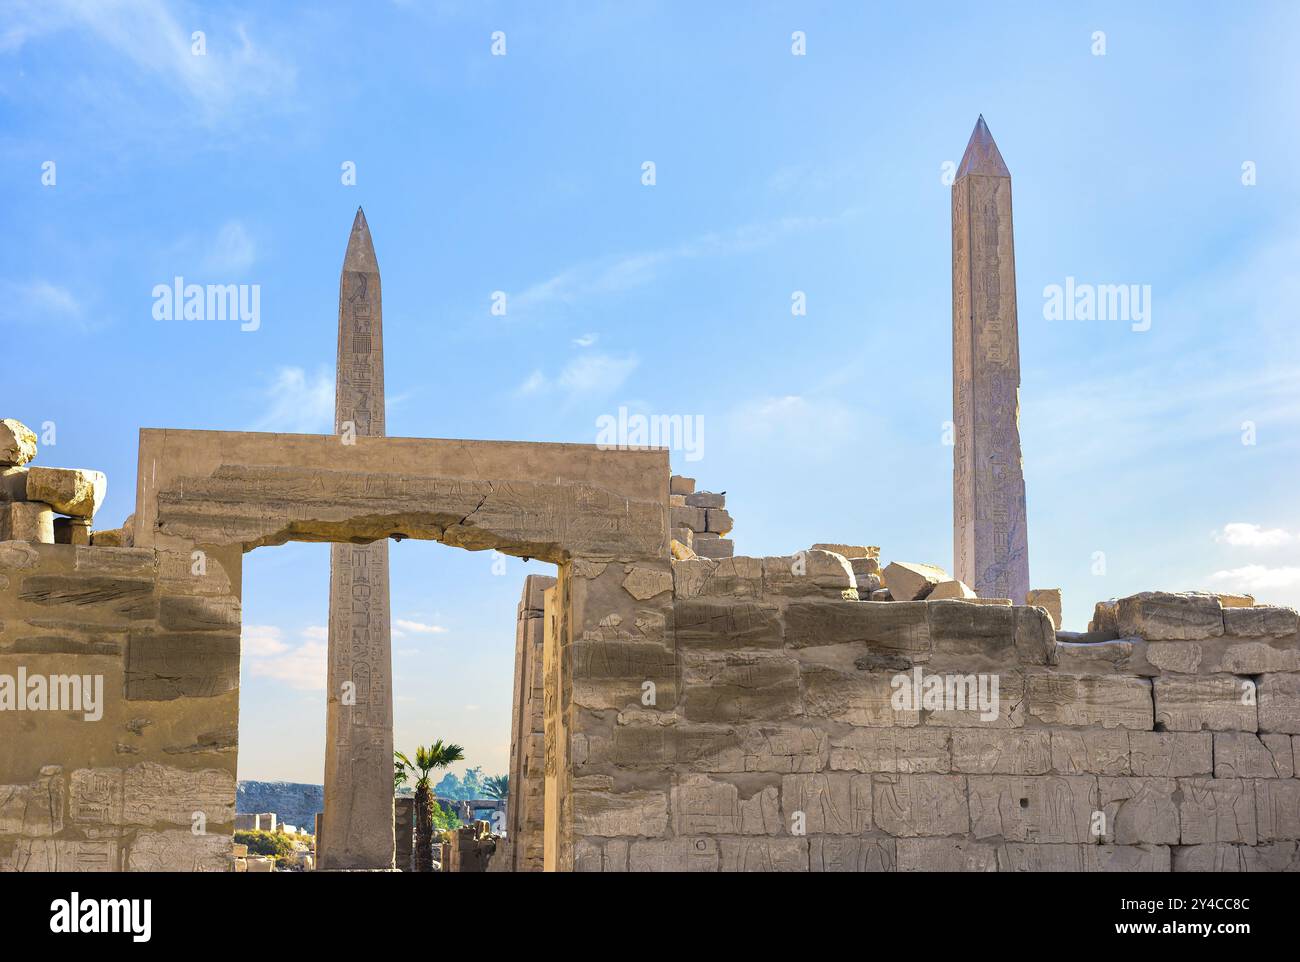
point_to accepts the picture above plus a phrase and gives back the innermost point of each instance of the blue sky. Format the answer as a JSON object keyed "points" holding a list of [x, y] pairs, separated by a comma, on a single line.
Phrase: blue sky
{"points": [[775, 173]]}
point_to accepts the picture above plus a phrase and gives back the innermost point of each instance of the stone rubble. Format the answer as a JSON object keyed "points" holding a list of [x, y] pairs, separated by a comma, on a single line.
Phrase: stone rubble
{"points": [[31, 497]]}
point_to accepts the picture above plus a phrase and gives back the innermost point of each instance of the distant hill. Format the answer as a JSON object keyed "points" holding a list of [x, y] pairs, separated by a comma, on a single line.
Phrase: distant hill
{"points": [[292, 802]]}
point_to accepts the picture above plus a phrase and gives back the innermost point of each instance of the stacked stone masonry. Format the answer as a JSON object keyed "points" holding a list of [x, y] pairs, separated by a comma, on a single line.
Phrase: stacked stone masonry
{"points": [[698, 714], [700, 520]]}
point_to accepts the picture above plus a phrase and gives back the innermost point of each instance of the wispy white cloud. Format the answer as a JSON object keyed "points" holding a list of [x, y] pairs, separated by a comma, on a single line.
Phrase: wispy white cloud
{"points": [[232, 251], [303, 667], [586, 376], [1243, 535], [42, 303], [261, 641], [401, 626], [1255, 578], [297, 402], [806, 426], [615, 274], [148, 37], [586, 340]]}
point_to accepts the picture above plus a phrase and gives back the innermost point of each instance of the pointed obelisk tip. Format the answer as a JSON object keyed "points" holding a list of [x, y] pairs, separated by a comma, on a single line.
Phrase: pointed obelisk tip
{"points": [[982, 155], [361, 250]]}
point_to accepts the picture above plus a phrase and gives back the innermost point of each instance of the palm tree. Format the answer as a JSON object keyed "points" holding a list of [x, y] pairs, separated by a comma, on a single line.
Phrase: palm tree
{"points": [[436, 755], [497, 786]]}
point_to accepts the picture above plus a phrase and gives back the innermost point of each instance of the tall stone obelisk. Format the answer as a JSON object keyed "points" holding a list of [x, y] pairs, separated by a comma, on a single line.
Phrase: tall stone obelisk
{"points": [[989, 538], [358, 823]]}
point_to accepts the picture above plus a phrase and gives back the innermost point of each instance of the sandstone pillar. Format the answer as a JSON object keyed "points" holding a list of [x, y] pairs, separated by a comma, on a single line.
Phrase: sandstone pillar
{"points": [[990, 546], [358, 822]]}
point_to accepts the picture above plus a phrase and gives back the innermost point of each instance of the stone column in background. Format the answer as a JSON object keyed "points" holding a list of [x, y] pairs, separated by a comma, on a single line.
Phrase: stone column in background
{"points": [[990, 545], [358, 822]]}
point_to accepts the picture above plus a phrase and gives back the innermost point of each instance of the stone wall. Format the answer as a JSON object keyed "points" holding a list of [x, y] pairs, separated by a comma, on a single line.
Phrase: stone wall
{"points": [[149, 784], [780, 742]]}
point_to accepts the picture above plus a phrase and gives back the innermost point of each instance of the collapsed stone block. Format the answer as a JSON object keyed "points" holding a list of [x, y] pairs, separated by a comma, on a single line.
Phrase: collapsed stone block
{"points": [[17, 443], [71, 491], [908, 581], [1163, 615], [1049, 598]]}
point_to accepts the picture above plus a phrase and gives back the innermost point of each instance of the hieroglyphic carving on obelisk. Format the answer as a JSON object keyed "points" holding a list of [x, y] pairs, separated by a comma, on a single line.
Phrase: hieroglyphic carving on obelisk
{"points": [[990, 546], [358, 823]]}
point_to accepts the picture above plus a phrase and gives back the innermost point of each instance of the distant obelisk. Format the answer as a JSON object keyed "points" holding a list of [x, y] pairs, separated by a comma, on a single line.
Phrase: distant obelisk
{"points": [[989, 538], [358, 823]]}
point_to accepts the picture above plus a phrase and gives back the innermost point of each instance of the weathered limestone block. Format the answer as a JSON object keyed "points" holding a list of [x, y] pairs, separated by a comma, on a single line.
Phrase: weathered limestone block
{"points": [[846, 853], [34, 809], [950, 590], [764, 854], [733, 686], [1223, 857], [1260, 621], [709, 545], [905, 751], [945, 855], [811, 572], [735, 578], [1217, 810], [678, 484], [718, 521], [72, 491], [854, 697], [827, 803], [910, 581], [153, 794], [644, 582], [1171, 754], [854, 552], [714, 623], [625, 813], [17, 443], [671, 855], [13, 484], [1277, 807], [178, 850], [26, 521], [1006, 710], [706, 499], [1047, 808], [1259, 658], [198, 613], [907, 805], [1279, 703], [72, 531], [866, 571], [1247, 755], [1049, 598], [133, 598], [1213, 702], [1180, 657], [983, 633], [784, 749], [1105, 618], [688, 517], [1125, 656], [1020, 752], [1163, 615], [704, 805], [896, 627], [162, 666], [1111, 701], [1139, 810], [1091, 751], [63, 855], [1036, 857]]}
